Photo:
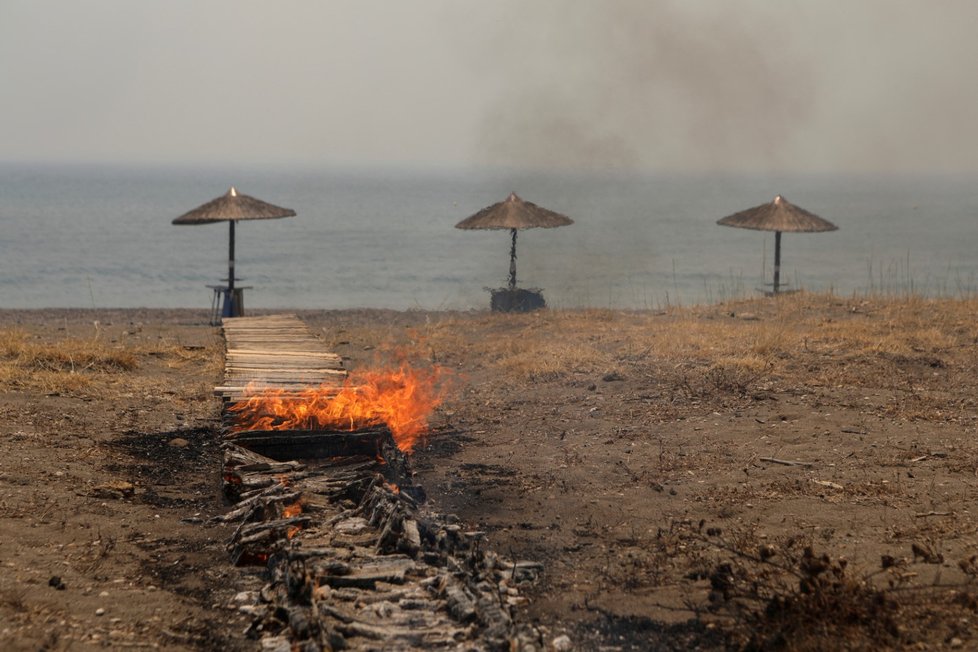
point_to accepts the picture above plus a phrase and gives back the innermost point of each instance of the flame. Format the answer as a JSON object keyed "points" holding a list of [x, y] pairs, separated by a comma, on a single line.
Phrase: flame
{"points": [[393, 488], [401, 398], [288, 511]]}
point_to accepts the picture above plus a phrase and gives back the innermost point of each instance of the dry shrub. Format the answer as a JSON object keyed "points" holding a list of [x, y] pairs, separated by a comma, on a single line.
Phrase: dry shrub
{"points": [[736, 375], [786, 596]]}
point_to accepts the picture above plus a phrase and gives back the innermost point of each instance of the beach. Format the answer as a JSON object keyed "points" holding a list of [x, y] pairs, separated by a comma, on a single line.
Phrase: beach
{"points": [[799, 467]]}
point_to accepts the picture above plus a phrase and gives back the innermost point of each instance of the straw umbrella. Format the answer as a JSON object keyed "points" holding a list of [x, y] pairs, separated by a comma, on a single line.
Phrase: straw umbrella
{"points": [[514, 214], [779, 216], [231, 207]]}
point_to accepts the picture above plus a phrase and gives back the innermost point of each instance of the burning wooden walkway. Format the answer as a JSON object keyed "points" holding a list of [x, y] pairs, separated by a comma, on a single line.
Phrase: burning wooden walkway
{"points": [[355, 559], [275, 351]]}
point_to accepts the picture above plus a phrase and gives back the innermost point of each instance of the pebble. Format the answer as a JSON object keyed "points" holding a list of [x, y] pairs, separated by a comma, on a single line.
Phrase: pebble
{"points": [[245, 597], [562, 643], [100, 611], [275, 644], [179, 442]]}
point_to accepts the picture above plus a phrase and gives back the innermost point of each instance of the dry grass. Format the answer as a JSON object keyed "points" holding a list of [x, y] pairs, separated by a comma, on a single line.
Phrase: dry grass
{"points": [[908, 351], [71, 355], [65, 366], [795, 342], [74, 365]]}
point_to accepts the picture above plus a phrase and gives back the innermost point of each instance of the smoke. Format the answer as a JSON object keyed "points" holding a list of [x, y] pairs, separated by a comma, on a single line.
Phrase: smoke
{"points": [[752, 85], [626, 83]]}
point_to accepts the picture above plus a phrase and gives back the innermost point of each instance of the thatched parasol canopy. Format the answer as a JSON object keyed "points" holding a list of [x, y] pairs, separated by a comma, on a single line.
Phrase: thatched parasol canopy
{"points": [[233, 206], [514, 214], [779, 216]]}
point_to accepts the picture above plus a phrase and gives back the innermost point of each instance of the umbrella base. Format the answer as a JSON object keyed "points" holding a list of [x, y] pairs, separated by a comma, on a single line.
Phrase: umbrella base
{"points": [[516, 300], [781, 290], [226, 302]]}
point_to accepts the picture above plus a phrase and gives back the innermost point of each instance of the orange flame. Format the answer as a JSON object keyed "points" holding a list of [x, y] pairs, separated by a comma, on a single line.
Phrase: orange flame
{"points": [[288, 511], [402, 399]]}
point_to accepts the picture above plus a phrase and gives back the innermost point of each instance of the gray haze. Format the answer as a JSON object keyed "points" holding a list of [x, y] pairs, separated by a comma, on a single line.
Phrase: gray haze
{"points": [[691, 85]]}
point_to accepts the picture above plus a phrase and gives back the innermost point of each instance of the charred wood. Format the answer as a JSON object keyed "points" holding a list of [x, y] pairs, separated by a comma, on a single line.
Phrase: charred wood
{"points": [[288, 445], [372, 569], [268, 504]]}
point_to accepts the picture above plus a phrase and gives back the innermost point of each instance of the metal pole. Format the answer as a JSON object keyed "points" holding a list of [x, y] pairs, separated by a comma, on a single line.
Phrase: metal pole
{"points": [[777, 261], [229, 299], [512, 263], [231, 257]]}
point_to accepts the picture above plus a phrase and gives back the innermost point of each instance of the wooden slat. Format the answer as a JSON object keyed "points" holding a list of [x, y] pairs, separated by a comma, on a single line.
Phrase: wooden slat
{"points": [[275, 352]]}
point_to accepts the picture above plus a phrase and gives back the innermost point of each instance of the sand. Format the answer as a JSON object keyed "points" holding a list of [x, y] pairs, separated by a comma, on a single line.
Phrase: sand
{"points": [[669, 469]]}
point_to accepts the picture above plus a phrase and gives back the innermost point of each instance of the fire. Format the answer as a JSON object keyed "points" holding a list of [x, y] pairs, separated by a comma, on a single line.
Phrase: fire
{"points": [[288, 511], [402, 399]]}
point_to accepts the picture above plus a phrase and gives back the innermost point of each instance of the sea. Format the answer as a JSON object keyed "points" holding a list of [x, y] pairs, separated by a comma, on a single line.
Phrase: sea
{"points": [[101, 236]]}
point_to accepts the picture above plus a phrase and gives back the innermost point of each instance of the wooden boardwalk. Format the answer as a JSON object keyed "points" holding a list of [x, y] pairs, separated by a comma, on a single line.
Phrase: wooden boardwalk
{"points": [[275, 352], [384, 571]]}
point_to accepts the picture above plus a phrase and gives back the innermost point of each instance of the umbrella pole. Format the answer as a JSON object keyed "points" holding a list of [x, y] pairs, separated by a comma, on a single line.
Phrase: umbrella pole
{"points": [[229, 300], [777, 261], [512, 263]]}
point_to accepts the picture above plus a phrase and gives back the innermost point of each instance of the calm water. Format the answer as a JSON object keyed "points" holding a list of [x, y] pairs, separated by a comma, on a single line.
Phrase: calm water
{"points": [[102, 237]]}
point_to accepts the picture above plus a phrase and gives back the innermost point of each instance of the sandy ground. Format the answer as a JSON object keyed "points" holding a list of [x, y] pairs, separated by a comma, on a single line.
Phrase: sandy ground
{"points": [[639, 456]]}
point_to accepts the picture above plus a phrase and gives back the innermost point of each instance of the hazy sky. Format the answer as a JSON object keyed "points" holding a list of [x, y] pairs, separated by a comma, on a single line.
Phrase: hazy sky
{"points": [[689, 85]]}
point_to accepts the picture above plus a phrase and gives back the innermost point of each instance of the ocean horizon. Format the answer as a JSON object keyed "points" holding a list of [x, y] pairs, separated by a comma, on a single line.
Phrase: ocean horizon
{"points": [[100, 236]]}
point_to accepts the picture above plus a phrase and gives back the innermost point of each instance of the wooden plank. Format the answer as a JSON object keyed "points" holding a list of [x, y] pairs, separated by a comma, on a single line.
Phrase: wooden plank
{"points": [[256, 369], [275, 352], [291, 360], [283, 389], [311, 350]]}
